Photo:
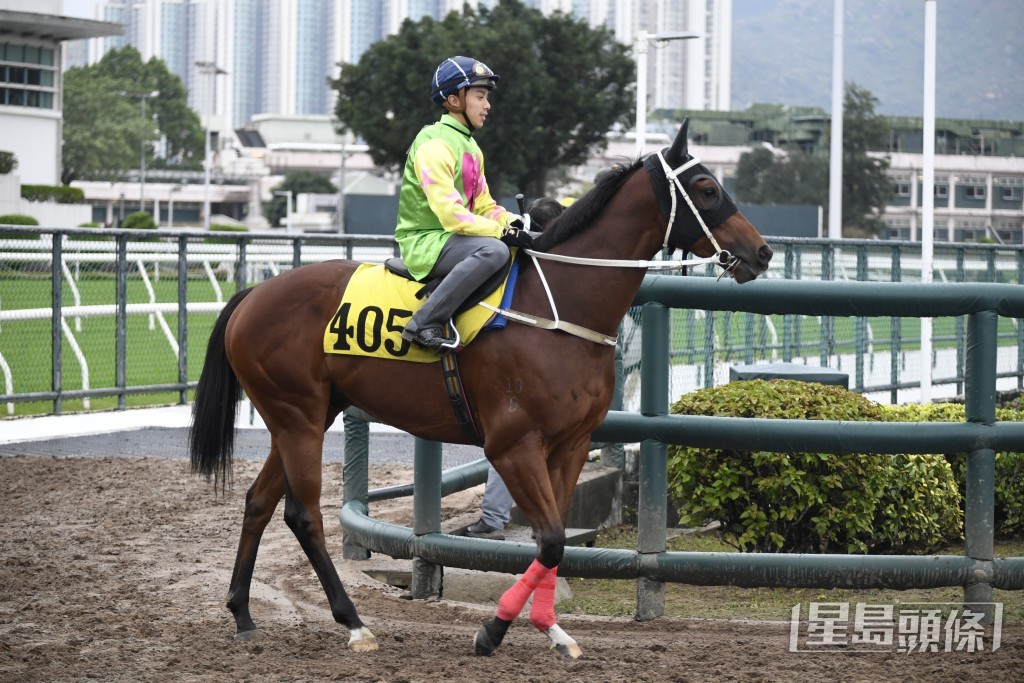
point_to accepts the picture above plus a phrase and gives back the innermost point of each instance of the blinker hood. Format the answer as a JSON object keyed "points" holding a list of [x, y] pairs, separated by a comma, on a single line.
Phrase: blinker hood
{"points": [[686, 229]]}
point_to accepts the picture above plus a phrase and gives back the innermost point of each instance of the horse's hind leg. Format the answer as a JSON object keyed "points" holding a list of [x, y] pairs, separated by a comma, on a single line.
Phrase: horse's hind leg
{"points": [[260, 502], [302, 514]]}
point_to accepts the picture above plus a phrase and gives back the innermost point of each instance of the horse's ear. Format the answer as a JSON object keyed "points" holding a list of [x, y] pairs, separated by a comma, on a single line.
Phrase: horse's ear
{"points": [[679, 149]]}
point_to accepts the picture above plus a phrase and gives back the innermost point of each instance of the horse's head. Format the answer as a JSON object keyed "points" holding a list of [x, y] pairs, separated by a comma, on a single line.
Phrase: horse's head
{"points": [[702, 216]]}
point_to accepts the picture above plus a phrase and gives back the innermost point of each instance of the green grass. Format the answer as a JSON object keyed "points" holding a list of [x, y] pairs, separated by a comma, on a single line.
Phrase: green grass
{"points": [[150, 358], [26, 344], [617, 597]]}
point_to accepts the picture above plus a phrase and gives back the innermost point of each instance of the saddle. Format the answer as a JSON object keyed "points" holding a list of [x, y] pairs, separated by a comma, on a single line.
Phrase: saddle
{"points": [[397, 266]]}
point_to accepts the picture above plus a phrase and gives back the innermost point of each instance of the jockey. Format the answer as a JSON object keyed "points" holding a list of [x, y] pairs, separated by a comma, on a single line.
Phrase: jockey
{"points": [[449, 226]]}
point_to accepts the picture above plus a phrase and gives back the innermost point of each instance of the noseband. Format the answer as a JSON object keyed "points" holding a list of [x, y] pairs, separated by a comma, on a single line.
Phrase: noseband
{"points": [[682, 228]]}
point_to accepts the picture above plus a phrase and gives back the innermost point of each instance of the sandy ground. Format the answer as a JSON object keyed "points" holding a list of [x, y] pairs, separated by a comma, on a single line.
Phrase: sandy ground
{"points": [[116, 569]]}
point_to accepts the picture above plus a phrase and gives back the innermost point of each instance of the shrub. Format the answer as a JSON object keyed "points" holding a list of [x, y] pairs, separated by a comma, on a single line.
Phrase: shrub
{"points": [[17, 219], [1009, 474], [8, 162], [809, 502], [61, 194], [140, 220], [920, 506], [100, 235], [223, 227]]}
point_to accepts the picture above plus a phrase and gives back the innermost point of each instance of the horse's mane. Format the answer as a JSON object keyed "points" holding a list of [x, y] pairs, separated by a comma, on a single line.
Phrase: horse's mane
{"points": [[585, 210]]}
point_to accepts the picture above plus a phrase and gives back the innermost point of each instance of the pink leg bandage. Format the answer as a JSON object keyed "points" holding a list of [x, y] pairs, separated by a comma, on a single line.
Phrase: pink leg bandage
{"points": [[511, 603], [542, 614]]}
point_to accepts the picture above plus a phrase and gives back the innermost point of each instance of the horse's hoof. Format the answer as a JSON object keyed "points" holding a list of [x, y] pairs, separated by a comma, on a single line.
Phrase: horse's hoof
{"points": [[562, 643], [483, 646], [362, 640], [247, 636], [568, 650]]}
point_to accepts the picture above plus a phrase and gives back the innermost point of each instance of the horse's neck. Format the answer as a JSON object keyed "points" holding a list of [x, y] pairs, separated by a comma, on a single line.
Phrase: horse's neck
{"points": [[597, 297]]}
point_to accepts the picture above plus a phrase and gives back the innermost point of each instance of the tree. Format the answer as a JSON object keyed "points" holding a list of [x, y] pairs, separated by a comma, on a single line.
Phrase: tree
{"points": [[866, 186], [563, 85], [799, 177], [298, 182], [795, 177], [103, 126]]}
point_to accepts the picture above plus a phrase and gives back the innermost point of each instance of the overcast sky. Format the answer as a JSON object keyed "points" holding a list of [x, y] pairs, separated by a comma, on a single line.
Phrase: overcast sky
{"points": [[78, 8]]}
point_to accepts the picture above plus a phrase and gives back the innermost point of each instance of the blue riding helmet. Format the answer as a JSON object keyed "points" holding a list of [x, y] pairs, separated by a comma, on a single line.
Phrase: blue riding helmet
{"points": [[456, 73]]}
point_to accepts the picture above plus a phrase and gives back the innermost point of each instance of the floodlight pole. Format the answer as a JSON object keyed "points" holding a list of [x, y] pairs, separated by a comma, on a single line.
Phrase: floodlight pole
{"points": [[208, 69], [835, 174], [640, 47], [928, 192]]}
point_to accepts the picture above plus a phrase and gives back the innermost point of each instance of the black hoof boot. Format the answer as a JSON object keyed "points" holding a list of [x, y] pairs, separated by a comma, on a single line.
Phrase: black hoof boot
{"points": [[489, 637]]}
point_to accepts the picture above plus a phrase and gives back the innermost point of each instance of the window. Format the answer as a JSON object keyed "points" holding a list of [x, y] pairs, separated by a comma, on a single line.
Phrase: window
{"points": [[28, 75], [1011, 188], [970, 231], [901, 188], [941, 191], [975, 191], [898, 228], [1009, 231]]}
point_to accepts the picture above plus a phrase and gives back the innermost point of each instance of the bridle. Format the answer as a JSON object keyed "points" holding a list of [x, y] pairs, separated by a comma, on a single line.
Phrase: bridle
{"points": [[722, 257]]}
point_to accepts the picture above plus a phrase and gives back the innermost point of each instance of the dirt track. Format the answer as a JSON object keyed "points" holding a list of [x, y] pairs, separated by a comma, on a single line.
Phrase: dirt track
{"points": [[116, 569]]}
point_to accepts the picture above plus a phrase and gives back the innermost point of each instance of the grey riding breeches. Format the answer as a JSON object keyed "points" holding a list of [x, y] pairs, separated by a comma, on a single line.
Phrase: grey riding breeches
{"points": [[465, 263]]}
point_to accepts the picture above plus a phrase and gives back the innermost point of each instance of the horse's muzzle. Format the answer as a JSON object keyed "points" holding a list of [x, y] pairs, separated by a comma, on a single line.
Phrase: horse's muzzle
{"points": [[747, 269]]}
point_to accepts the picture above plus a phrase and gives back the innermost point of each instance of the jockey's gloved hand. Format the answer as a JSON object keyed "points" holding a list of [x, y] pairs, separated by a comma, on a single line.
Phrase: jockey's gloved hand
{"points": [[517, 237], [520, 222]]}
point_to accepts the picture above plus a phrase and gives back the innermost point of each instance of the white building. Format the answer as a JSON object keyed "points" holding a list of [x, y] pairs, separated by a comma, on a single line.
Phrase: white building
{"points": [[32, 33]]}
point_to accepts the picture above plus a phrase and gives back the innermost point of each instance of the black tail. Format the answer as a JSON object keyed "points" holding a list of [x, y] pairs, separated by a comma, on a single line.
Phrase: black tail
{"points": [[212, 434]]}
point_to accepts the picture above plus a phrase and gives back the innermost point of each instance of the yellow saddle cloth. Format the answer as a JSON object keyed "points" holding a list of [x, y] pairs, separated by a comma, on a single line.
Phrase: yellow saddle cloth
{"points": [[374, 310]]}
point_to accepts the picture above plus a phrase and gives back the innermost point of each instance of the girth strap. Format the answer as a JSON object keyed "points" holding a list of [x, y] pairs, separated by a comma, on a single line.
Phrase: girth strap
{"points": [[457, 395]]}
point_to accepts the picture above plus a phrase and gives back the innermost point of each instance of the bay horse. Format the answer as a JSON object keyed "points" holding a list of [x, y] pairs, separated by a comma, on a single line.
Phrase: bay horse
{"points": [[535, 395]]}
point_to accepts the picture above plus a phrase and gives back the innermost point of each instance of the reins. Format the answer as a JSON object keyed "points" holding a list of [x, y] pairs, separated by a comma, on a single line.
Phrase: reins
{"points": [[722, 258]]}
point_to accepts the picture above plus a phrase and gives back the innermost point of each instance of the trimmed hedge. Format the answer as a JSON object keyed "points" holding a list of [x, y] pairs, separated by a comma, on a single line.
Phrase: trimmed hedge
{"points": [[140, 220], [810, 502], [224, 227], [1009, 490], [17, 219], [61, 194]]}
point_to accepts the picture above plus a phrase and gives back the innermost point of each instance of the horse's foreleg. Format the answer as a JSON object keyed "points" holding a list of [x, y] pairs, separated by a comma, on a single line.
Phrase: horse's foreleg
{"points": [[260, 502], [302, 515], [563, 470], [490, 635], [539, 581]]}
